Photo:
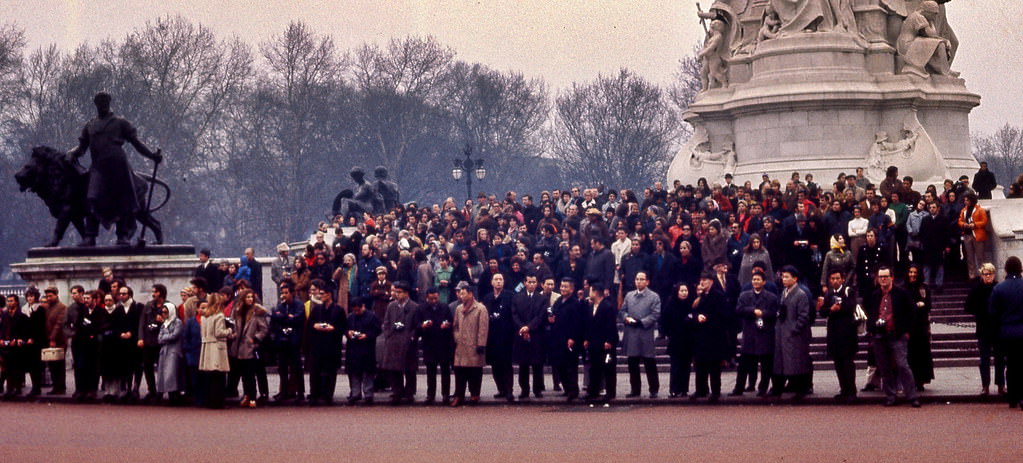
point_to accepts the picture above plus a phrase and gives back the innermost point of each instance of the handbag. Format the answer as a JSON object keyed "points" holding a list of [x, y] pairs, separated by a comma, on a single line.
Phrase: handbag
{"points": [[52, 354], [861, 320]]}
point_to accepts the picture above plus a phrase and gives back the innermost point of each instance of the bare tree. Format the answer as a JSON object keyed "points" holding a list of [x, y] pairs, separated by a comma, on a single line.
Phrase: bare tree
{"points": [[503, 117], [1003, 151], [398, 118], [617, 130]]}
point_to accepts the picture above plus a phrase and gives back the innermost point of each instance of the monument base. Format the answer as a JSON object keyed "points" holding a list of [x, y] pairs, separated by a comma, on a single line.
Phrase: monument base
{"points": [[1005, 236], [170, 265]]}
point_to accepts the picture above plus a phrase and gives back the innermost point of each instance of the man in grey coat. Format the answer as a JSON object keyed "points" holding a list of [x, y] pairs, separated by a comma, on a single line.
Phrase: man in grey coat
{"points": [[640, 312], [792, 361], [400, 352]]}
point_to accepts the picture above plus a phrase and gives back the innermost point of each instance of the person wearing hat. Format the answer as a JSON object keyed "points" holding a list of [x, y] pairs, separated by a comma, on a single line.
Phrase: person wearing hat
{"points": [[400, 324], [282, 265]]}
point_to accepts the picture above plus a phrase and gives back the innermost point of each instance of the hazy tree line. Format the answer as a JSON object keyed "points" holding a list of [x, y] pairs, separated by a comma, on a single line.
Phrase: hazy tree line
{"points": [[260, 137]]}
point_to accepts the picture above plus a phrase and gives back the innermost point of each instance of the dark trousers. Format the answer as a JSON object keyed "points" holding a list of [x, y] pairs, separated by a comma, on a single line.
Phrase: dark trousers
{"points": [[150, 355], [893, 364], [987, 350], [468, 376], [503, 377], [568, 372], [650, 365], [747, 372], [537, 377], [845, 369], [431, 380], [708, 371], [215, 388], [86, 360], [678, 378], [403, 383], [799, 384], [289, 367], [247, 371], [57, 375], [603, 374], [262, 383], [233, 377], [360, 382], [322, 378], [34, 367], [1013, 370]]}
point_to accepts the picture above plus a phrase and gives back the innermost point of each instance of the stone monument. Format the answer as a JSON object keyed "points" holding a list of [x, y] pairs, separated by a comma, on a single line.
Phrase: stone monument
{"points": [[826, 86], [108, 193]]}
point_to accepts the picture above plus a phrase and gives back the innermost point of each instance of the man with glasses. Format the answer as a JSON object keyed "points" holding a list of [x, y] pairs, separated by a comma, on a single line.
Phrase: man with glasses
{"points": [[889, 316]]}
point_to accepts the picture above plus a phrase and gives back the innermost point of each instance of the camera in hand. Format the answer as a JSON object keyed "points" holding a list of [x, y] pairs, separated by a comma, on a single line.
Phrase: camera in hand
{"points": [[229, 322], [356, 334], [398, 326], [880, 323], [287, 330]]}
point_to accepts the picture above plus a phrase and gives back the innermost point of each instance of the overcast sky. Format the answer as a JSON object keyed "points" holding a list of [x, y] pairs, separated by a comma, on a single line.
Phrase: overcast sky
{"points": [[562, 41]]}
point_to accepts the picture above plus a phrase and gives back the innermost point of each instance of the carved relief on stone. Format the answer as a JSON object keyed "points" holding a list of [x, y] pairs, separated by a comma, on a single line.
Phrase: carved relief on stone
{"points": [[914, 153], [713, 164]]}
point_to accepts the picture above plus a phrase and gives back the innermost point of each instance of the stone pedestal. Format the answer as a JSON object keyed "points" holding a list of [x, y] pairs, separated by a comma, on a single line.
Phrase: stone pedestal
{"points": [[1005, 236], [170, 265], [815, 103]]}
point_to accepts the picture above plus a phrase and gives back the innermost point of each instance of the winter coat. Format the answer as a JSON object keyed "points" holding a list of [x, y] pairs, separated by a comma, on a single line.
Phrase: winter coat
{"points": [[792, 334], [325, 346], [567, 317], [842, 336], [677, 324], [710, 338], [757, 340], [918, 350], [840, 261], [399, 327], [645, 308], [470, 331], [169, 377], [213, 356], [362, 353], [251, 331], [1005, 310], [191, 342], [438, 343], [501, 329], [531, 312]]}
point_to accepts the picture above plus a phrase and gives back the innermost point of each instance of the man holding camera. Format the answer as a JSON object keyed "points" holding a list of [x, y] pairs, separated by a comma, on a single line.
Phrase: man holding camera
{"points": [[286, 323], [400, 352], [889, 316]]}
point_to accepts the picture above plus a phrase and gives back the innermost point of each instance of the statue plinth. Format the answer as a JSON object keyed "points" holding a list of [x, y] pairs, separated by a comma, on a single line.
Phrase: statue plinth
{"points": [[817, 103], [170, 265]]}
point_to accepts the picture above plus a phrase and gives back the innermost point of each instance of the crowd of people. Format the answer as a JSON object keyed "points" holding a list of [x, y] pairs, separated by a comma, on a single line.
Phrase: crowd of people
{"points": [[731, 275]]}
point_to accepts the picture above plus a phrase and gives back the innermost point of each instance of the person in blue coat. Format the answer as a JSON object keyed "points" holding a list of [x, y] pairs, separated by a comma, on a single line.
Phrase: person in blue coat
{"points": [[1007, 313], [191, 345], [361, 358]]}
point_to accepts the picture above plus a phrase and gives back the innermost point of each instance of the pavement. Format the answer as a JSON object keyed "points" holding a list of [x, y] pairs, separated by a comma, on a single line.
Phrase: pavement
{"points": [[99, 433], [951, 385]]}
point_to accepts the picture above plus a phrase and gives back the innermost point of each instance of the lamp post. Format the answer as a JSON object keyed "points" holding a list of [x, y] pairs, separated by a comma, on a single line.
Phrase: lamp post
{"points": [[468, 168]]}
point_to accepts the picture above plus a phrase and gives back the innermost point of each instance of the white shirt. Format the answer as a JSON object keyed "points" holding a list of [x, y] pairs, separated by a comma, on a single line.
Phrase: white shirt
{"points": [[858, 227]]}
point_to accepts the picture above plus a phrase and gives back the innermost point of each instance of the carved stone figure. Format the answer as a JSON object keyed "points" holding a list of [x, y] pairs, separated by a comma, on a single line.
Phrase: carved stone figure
{"points": [[63, 187], [110, 197], [921, 46], [364, 199], [798, 16], [725, 159], [713, 70], [771, 25], [387, 189]]}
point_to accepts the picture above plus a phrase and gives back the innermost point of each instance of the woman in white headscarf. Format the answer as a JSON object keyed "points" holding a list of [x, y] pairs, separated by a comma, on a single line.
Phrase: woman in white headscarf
{"points": [[170, 378]]}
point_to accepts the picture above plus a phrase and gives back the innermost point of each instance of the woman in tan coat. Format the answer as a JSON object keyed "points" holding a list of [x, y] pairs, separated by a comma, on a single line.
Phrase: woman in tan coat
{"points": [[470, 332], [213, 361]]}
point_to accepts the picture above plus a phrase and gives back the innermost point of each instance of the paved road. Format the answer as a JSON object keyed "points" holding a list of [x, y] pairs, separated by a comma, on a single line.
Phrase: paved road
{"points": [[96, 433]]}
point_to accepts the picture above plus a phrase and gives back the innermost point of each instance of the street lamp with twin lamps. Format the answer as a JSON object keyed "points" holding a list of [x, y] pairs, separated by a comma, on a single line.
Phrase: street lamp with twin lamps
{"points": [[467, 168]]}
